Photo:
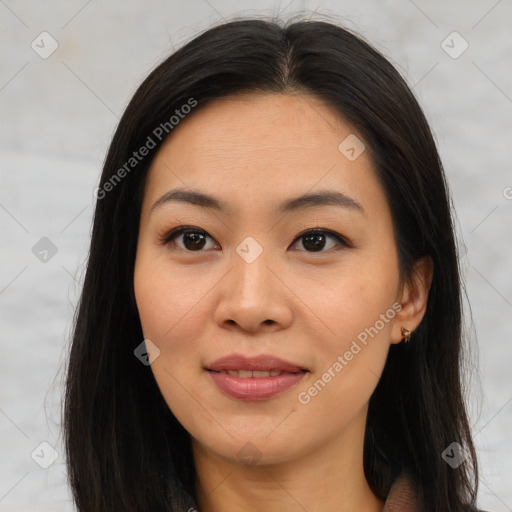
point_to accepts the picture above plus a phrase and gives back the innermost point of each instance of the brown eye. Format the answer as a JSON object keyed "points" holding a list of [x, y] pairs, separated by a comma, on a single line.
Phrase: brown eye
{"points": [[192, 239], [317, 240]]}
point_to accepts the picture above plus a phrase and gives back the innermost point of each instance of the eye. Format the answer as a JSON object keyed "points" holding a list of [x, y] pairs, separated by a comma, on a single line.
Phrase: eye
{"points": [[314, 240], [194, 239]]}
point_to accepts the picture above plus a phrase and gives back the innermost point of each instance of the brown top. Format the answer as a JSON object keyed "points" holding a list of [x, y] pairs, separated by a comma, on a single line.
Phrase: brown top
{"points": [[401, 497]]}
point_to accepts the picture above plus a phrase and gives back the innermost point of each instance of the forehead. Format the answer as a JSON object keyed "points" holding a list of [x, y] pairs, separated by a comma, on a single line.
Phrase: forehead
{"points": [[256, 149], [259, 120]]}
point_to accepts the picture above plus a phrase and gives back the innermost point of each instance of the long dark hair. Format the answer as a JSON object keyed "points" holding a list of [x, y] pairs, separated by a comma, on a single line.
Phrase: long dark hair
{"points": [[125, 449]]}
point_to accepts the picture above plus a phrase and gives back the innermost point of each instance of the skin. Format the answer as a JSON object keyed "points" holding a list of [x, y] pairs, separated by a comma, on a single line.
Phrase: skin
{"points": [[254, 151]]}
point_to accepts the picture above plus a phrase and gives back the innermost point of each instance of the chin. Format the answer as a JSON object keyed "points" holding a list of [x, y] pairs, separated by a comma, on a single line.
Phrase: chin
{"points": [[254, 449]]}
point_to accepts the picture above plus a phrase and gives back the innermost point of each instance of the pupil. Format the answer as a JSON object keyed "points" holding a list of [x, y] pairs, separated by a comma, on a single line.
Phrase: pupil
{"points": [[194, 239], [316, 242]]}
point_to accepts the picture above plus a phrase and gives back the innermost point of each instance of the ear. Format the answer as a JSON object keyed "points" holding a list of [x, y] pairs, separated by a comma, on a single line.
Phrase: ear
{"points": [[413, 297]]}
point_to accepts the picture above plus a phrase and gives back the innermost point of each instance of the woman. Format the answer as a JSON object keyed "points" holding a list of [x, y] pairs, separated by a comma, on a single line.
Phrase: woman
{"points": [[271, 314]]}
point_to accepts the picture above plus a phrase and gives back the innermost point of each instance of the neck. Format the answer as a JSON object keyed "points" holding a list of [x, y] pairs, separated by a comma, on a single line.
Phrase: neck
{"points": [[328, 478]]}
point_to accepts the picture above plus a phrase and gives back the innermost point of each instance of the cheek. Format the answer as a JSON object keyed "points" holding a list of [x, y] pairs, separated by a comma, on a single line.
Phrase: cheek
{"points": [[355, 299], [174, 309], [168, 301], [350, 363], [173, 316], [358, 310]]}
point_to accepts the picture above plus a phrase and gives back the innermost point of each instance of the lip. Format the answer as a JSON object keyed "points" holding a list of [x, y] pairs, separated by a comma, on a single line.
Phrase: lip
{"points": [[254, 388], [258, 363]]}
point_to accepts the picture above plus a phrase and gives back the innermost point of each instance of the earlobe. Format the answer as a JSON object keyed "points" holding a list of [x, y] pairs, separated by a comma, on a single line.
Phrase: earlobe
{"points": [[406, 334], [413, 299]]}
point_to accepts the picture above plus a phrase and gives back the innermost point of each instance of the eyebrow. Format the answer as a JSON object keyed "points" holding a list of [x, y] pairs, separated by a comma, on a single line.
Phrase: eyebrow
{"points": [[308, 200]]}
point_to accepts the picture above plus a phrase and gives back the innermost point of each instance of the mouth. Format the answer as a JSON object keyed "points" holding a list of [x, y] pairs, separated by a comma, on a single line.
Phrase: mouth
{"points": [[254, 378]]}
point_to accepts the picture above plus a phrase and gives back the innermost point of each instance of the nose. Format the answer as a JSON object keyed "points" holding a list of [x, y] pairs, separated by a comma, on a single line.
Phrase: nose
{"points": [[253, 296]]}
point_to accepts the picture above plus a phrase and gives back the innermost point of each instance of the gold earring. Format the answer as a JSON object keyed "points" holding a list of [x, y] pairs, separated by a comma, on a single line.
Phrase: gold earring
{"points": [[406, 334]]}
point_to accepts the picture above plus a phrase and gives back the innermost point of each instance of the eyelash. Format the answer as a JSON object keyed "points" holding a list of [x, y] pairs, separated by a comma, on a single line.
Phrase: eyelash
{"points": [[171, 235]]}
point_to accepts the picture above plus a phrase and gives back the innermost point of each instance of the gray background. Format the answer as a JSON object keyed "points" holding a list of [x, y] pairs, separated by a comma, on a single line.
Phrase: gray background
{"points": [[58, 115]]}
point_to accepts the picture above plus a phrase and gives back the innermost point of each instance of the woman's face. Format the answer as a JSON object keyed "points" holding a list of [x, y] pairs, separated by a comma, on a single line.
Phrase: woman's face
{"points": [[249, 283]]}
